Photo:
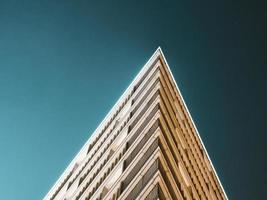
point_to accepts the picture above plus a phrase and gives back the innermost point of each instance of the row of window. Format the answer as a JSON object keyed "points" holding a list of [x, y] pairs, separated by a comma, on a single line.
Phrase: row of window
{"points": [[102, 164], [195, 150], [169, 124], [137, 96], [98, 137], [90, 194], [130, 140]]}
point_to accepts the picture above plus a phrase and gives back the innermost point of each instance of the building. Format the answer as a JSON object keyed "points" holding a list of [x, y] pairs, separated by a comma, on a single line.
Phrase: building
{"points": [[147, 147]]}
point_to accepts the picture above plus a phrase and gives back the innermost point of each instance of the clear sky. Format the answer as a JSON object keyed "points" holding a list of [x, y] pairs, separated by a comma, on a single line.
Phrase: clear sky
{"points": [[63, 64]]}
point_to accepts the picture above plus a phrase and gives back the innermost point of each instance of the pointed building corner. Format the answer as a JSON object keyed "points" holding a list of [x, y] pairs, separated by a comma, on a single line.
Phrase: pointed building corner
{"points": [[147, 147]]}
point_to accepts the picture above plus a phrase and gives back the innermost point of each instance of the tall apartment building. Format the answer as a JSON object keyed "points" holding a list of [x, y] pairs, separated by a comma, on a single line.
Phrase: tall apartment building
{"points": [[147, 147]]}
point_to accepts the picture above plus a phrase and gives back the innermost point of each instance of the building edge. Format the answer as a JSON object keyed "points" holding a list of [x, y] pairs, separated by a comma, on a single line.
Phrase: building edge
{"points": [[156, 54]]}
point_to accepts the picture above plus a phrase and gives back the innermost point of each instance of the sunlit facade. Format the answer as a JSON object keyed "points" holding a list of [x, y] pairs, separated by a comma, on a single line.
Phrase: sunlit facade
{"points": [[147, 147]]}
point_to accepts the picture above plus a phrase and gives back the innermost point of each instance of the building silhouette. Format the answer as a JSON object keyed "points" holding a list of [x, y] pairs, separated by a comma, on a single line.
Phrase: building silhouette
{"points": [[147, 147]]}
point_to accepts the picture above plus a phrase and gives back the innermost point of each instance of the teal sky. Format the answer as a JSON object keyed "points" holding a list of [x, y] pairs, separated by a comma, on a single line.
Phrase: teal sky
{"points": [[63, 64]]}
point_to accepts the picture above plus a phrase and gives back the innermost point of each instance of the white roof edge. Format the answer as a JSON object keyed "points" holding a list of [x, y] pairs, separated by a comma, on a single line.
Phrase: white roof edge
{"points": [[162, 54], [100, 126]]}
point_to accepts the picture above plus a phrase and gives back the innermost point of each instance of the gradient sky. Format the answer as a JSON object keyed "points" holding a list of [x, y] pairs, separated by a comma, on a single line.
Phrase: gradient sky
{"points": [[63, 64]]}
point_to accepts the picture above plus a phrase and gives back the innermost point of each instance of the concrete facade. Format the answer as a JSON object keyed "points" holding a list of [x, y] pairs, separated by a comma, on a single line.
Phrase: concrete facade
{"points": [[147, 147]]}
